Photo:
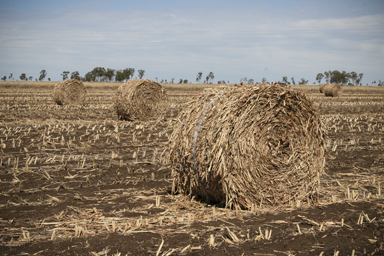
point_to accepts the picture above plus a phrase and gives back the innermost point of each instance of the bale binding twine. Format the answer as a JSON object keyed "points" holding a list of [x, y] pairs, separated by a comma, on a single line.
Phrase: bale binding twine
{"points": [[141, 100], [249, 146], [69, 92]]}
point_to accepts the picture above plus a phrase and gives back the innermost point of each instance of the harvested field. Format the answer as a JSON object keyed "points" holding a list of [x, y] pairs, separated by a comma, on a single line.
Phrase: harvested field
{"points": [[75, 180]]}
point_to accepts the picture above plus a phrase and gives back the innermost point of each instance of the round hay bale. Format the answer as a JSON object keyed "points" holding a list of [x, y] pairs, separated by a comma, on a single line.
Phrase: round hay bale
{"points": [[69, 92], [332, 90], [322, 88], [249, 146], [141, 100]]}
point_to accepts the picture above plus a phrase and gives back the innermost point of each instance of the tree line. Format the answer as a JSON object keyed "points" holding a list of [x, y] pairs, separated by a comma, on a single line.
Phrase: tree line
{"points": [[101, 74]]}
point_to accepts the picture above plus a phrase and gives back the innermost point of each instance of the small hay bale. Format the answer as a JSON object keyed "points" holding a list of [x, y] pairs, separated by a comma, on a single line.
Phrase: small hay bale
{"points": [[141, 100], [332, 90], [249, 146], [322, 88], [69, 92]]}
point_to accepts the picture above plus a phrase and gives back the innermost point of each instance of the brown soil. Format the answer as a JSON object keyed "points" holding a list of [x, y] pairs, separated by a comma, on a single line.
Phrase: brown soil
{"points": [[77, 181]]}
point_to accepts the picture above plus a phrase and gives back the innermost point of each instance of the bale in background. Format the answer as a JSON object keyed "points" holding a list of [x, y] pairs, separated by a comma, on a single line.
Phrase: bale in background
{"points": [[322, 88], [140, 99], [249, 146], [332, 90], [69, 92]]}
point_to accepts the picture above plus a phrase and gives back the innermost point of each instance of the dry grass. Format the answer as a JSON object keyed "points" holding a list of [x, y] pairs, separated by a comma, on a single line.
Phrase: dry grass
{"points": [[249, 146], [331, 90]]}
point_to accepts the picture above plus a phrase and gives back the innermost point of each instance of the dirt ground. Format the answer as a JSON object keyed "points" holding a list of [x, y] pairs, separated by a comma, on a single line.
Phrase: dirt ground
{"points": [[77, 181]]}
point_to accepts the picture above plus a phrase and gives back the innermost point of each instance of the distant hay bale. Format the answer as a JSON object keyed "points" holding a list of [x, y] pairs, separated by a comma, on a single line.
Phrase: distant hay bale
{"points": [[69, 92], [249, 146], [322, 88], [332, 90], [141, 100]]}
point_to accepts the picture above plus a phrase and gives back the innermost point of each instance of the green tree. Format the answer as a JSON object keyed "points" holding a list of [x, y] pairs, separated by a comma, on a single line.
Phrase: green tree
{"points": [[128, 73], [99, 73], [360, 78], [110, 74], [211, 76], [141, 73], [90, 77], [49, 79], [250, 81], [264, 80], [353, 76], [303, 81], [10, 76], [185, 81], [199, 75], [120, 75], [65, 75], [172, 80], [381, 83], [293, 80], [30, 78], [319, 77], [4, 78], [75, 75], [23, 77], [181, 81], [43, 74], [285, 80]]}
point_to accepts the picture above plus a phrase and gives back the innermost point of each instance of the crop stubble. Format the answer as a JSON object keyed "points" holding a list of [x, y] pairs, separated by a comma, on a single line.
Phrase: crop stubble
{"points": [[76, 180]]}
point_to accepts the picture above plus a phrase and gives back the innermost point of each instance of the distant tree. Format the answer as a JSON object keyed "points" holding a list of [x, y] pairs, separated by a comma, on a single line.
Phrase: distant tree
{"points": [[162, 81], [43, 74], [141, 73], [327, 75], [264, 80], [90, 77], [99, 73], [211, 76], [303, 81], [156, 79], [285, 80], [172, 80], [36, 79], [319, 77], [293, 80], [250, 81], [119, 75], [4, 78], [199, 75], [23, 77], [180, 81], [381, 83], [353, 77], [128, 73], [49, 79], [30, 78], [75, 75], [10, 76], [109, 74], [221, 82], [360, 78], [65, 75], [244, 80], [185, 81]]}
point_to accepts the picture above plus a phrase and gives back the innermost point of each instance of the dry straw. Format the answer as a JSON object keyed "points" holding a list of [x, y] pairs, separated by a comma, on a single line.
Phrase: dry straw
{"points": [[69, 92], [322, 88], [332, 90], [140, 99], [249, 145]]}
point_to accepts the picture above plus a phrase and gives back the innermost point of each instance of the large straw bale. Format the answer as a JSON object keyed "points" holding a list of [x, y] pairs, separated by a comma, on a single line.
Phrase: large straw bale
{"points": [[249, 146], [141, 100], [332, 90], [69, 92]]}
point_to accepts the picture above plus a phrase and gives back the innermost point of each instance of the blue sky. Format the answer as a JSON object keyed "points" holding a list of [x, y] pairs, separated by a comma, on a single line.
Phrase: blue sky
{"points": [[177, 39]]}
